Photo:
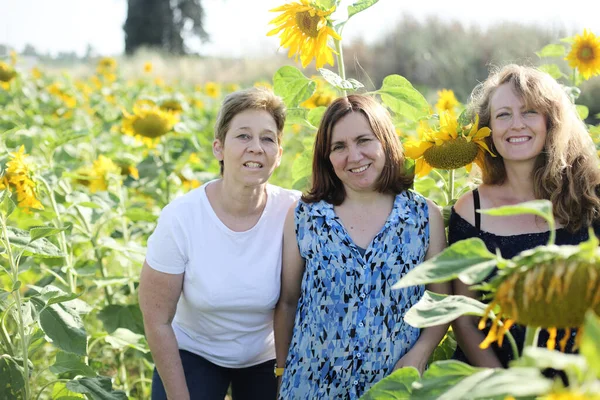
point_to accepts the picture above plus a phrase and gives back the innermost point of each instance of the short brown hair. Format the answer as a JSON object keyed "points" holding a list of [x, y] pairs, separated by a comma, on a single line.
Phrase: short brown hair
{"points": [[325, 183], [255, 98]]}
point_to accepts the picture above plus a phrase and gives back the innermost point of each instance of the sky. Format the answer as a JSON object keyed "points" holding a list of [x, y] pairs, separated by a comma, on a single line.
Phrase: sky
{"points": [[238, 27]]}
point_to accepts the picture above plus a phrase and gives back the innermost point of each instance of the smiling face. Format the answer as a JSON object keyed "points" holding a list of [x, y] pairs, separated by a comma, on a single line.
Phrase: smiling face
{"points": [[251, 150], [519, 133], [356, 154]]}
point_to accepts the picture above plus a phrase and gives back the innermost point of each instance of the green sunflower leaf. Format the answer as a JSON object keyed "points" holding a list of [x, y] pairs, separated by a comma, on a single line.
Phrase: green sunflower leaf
{"points": [[436, 309], [590, 343], [402, 98], [396, 386], [292, 86], [359, 6], [552, 69], [469, 260], [583, 111], [440, 377], [541, 208], [552, 50]]}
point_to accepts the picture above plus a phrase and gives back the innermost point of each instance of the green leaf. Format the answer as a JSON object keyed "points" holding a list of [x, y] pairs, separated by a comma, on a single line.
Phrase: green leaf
{"points": [[315, 115], [11, 378], [292, 86], [541, 359], [541, 208], [60, 392], [39, 232], [440, 377], [359, 6], [397, 385], [41, 248], [583, 111], [302, 165], [355, 84], [327, 4], [551, 69], [140, 215], [98, 388], [122, 339], [402, 98], [590, 342], [469, 260], [122, 316], [67, 362], [7, 205], [552, 50], [437, 309], [298, 115], [64, 326], [335, 80], [51, 294], [499, 383], [445, 350]]}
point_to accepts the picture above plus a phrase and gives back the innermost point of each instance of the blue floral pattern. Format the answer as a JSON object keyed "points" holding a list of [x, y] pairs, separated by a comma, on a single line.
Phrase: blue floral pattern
{"points": [[349, 330]]}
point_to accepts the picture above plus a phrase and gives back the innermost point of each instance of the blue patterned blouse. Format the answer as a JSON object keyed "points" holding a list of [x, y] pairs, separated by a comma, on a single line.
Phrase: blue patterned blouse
{"points": [[349, 330]]}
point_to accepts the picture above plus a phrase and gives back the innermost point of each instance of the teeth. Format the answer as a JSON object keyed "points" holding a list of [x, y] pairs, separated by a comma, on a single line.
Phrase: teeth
{"points": [[518, 140], [361, 169], [253, 165]]}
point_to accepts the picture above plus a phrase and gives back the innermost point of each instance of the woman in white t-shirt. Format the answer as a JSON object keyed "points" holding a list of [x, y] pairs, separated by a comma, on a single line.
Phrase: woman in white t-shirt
{"points": [[211, 278]]}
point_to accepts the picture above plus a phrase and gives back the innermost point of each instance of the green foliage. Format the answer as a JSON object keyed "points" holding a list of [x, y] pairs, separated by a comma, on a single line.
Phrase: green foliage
{"points": [[396, 386], [402, 98], [291, 84], [436, 309]]}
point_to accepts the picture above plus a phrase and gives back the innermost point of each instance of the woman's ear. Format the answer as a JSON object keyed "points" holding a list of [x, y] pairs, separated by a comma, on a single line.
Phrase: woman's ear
{"points": [[218, 149]]}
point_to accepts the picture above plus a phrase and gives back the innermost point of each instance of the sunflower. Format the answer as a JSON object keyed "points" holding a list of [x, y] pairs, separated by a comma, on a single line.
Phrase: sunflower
{"points": [[18, 175], [148, 120], [106, 65], [449, 147], [585, 54], [97, 175], [148, 67], [305, 28], [212, 89], [446, 101], [7, 73], [551, 287]]}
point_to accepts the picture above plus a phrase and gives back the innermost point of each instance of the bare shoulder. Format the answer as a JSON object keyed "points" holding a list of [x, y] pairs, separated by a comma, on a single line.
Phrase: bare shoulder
{"points": [[464, 207]]}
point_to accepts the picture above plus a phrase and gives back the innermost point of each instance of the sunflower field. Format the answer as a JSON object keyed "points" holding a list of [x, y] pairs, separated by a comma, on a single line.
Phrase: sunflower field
{"points": [[87, 163]]}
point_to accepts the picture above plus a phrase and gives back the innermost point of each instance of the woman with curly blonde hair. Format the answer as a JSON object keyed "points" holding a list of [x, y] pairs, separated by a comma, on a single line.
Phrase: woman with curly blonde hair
{"points": [[542, 150]]}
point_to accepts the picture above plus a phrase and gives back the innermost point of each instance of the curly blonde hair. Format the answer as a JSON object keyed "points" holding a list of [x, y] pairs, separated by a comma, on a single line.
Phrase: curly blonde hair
{"points": [[567, 171]]}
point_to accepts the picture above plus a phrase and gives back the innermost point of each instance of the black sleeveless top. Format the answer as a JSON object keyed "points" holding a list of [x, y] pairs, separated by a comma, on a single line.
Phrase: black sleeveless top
{"points": [[510, 246]]}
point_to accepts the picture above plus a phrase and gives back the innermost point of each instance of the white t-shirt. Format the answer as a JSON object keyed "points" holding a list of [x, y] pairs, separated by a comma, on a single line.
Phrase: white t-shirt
{"points": [[232, 279]]}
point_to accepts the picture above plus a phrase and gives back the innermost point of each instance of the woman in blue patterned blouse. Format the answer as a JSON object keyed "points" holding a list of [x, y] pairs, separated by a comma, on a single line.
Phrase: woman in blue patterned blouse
{"points": [[339, 325]]}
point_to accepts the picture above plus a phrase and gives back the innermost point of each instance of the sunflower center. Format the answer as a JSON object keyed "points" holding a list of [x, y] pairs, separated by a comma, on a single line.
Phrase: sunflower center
{"points": [[452, 154], [6, 73], [151, 126], [308, 24], [586, 53]]}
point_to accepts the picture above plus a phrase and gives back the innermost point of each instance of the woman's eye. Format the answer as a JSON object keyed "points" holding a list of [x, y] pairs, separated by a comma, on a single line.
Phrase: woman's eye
{"points": [[531, 112], [337, 147], [364, 140], [268, 139], [502, 115], [243, 136]]}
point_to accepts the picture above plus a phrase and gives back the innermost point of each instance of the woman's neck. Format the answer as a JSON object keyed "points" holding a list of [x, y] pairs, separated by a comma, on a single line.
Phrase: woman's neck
{"points": [[240, 201], [519, 181]]}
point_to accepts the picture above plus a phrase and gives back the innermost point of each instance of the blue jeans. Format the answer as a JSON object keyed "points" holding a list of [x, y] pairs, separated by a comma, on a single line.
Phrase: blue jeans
{"points": [[208, 381]]}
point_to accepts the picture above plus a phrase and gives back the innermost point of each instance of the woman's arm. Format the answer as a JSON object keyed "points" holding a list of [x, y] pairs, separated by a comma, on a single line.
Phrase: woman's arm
{"points": [[430, 337], [291, 280], [158, 294], [468, 336]]}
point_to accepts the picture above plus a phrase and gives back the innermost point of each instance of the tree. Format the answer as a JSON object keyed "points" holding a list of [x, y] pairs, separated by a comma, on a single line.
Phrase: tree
{"points": [[163, 24]]}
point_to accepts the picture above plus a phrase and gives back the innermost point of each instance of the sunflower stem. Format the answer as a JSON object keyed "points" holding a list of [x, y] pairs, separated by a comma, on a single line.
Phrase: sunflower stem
{"points": [[531, 336], [513, 344], [18, 305], [340, 62], [450, 185]]}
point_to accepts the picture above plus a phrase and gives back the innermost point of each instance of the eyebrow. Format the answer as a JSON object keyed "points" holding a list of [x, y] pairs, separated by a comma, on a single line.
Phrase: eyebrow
{"points": [[362, 135], [267, 130]]}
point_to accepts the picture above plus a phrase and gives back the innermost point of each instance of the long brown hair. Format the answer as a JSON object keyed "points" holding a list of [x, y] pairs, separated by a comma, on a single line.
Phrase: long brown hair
{"points": [[325, 183], [567, 171]]}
